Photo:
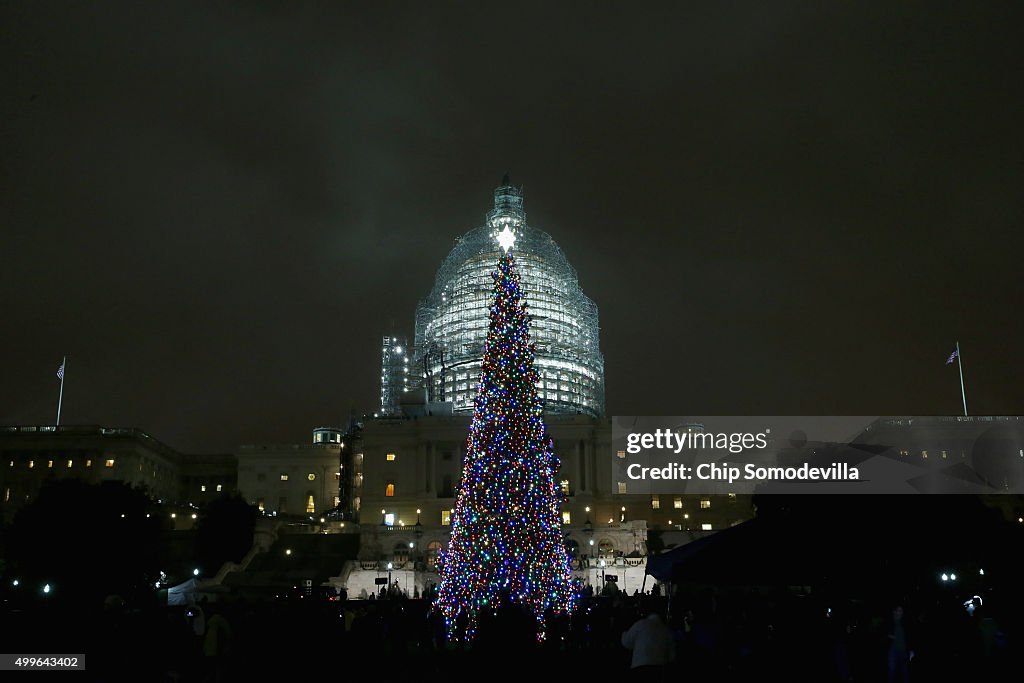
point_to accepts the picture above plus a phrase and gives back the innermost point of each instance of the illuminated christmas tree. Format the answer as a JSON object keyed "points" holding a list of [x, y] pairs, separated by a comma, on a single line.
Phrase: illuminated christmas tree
{"points": [[506, 542]]}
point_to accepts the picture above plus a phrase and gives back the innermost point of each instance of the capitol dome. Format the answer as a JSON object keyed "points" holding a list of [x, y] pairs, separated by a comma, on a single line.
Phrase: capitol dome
{"points": [[452, 322]]}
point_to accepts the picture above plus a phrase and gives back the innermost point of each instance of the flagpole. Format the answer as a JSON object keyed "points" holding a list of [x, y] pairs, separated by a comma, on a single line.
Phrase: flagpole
{"points": [[960, 364], [63, 370]]}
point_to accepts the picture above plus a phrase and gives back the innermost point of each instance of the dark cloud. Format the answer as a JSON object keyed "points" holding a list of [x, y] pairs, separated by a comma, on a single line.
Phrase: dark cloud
{"points": [[783, 208]]}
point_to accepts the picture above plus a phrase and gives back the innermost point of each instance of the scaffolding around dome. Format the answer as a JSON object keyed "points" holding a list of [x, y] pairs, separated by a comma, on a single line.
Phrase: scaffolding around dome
{"points": [[452, 322]]}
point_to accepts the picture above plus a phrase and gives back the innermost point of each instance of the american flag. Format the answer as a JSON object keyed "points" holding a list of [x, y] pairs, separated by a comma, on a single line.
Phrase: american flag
{"points": [[952, 356], [60, 371]]}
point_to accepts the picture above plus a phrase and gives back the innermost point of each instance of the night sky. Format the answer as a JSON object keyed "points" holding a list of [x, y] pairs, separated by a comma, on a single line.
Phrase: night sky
{"points": [[216, 212]]}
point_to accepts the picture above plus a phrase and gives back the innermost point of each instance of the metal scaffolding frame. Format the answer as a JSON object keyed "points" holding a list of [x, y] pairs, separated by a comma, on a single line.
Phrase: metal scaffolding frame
{"points": [[394, 374], [452, 322]]}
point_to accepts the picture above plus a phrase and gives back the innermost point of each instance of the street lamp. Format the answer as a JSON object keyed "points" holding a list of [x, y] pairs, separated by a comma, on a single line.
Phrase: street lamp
{"points": [[418, 533], [388, 592]]}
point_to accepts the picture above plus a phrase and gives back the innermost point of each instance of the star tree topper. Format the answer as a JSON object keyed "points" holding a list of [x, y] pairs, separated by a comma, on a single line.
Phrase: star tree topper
{"points": [[506, 238]]}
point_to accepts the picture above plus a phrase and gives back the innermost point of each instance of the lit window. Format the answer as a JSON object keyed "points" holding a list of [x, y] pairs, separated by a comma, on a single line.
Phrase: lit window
{"points": [[705, 527], [390, 457], [565, 486], [677, 503], [944, 455], [311, 476], [446, 517], [49, 463], [389, 490], [566, 517], [219, 487], [655, 503], [31, 464], [203, 488], [7, 494], [621, 454], [389, 519], [732, 497], [337, 501], [69, 464], [88, 463], [109, 462], [622, 487], [260, 504], [924, 454], [12, 464], [310, 504], [284, 477], [705, 503]]}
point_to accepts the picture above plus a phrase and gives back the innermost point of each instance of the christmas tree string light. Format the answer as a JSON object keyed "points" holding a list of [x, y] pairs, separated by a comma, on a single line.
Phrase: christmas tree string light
{"points": [[506, 542]]}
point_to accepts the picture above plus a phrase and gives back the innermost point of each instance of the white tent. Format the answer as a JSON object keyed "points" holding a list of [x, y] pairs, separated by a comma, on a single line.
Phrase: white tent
{"points": [[183, 593]]}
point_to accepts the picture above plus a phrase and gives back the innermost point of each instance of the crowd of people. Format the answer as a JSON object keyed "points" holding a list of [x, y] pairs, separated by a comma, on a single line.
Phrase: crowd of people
{"points": [[724, 635]]}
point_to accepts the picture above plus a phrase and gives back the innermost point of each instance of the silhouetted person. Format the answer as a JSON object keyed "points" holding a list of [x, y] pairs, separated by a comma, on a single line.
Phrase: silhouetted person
{"points": [[900, 653], [990, 638], [652, 645], [509, 628], [217, 646]]}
